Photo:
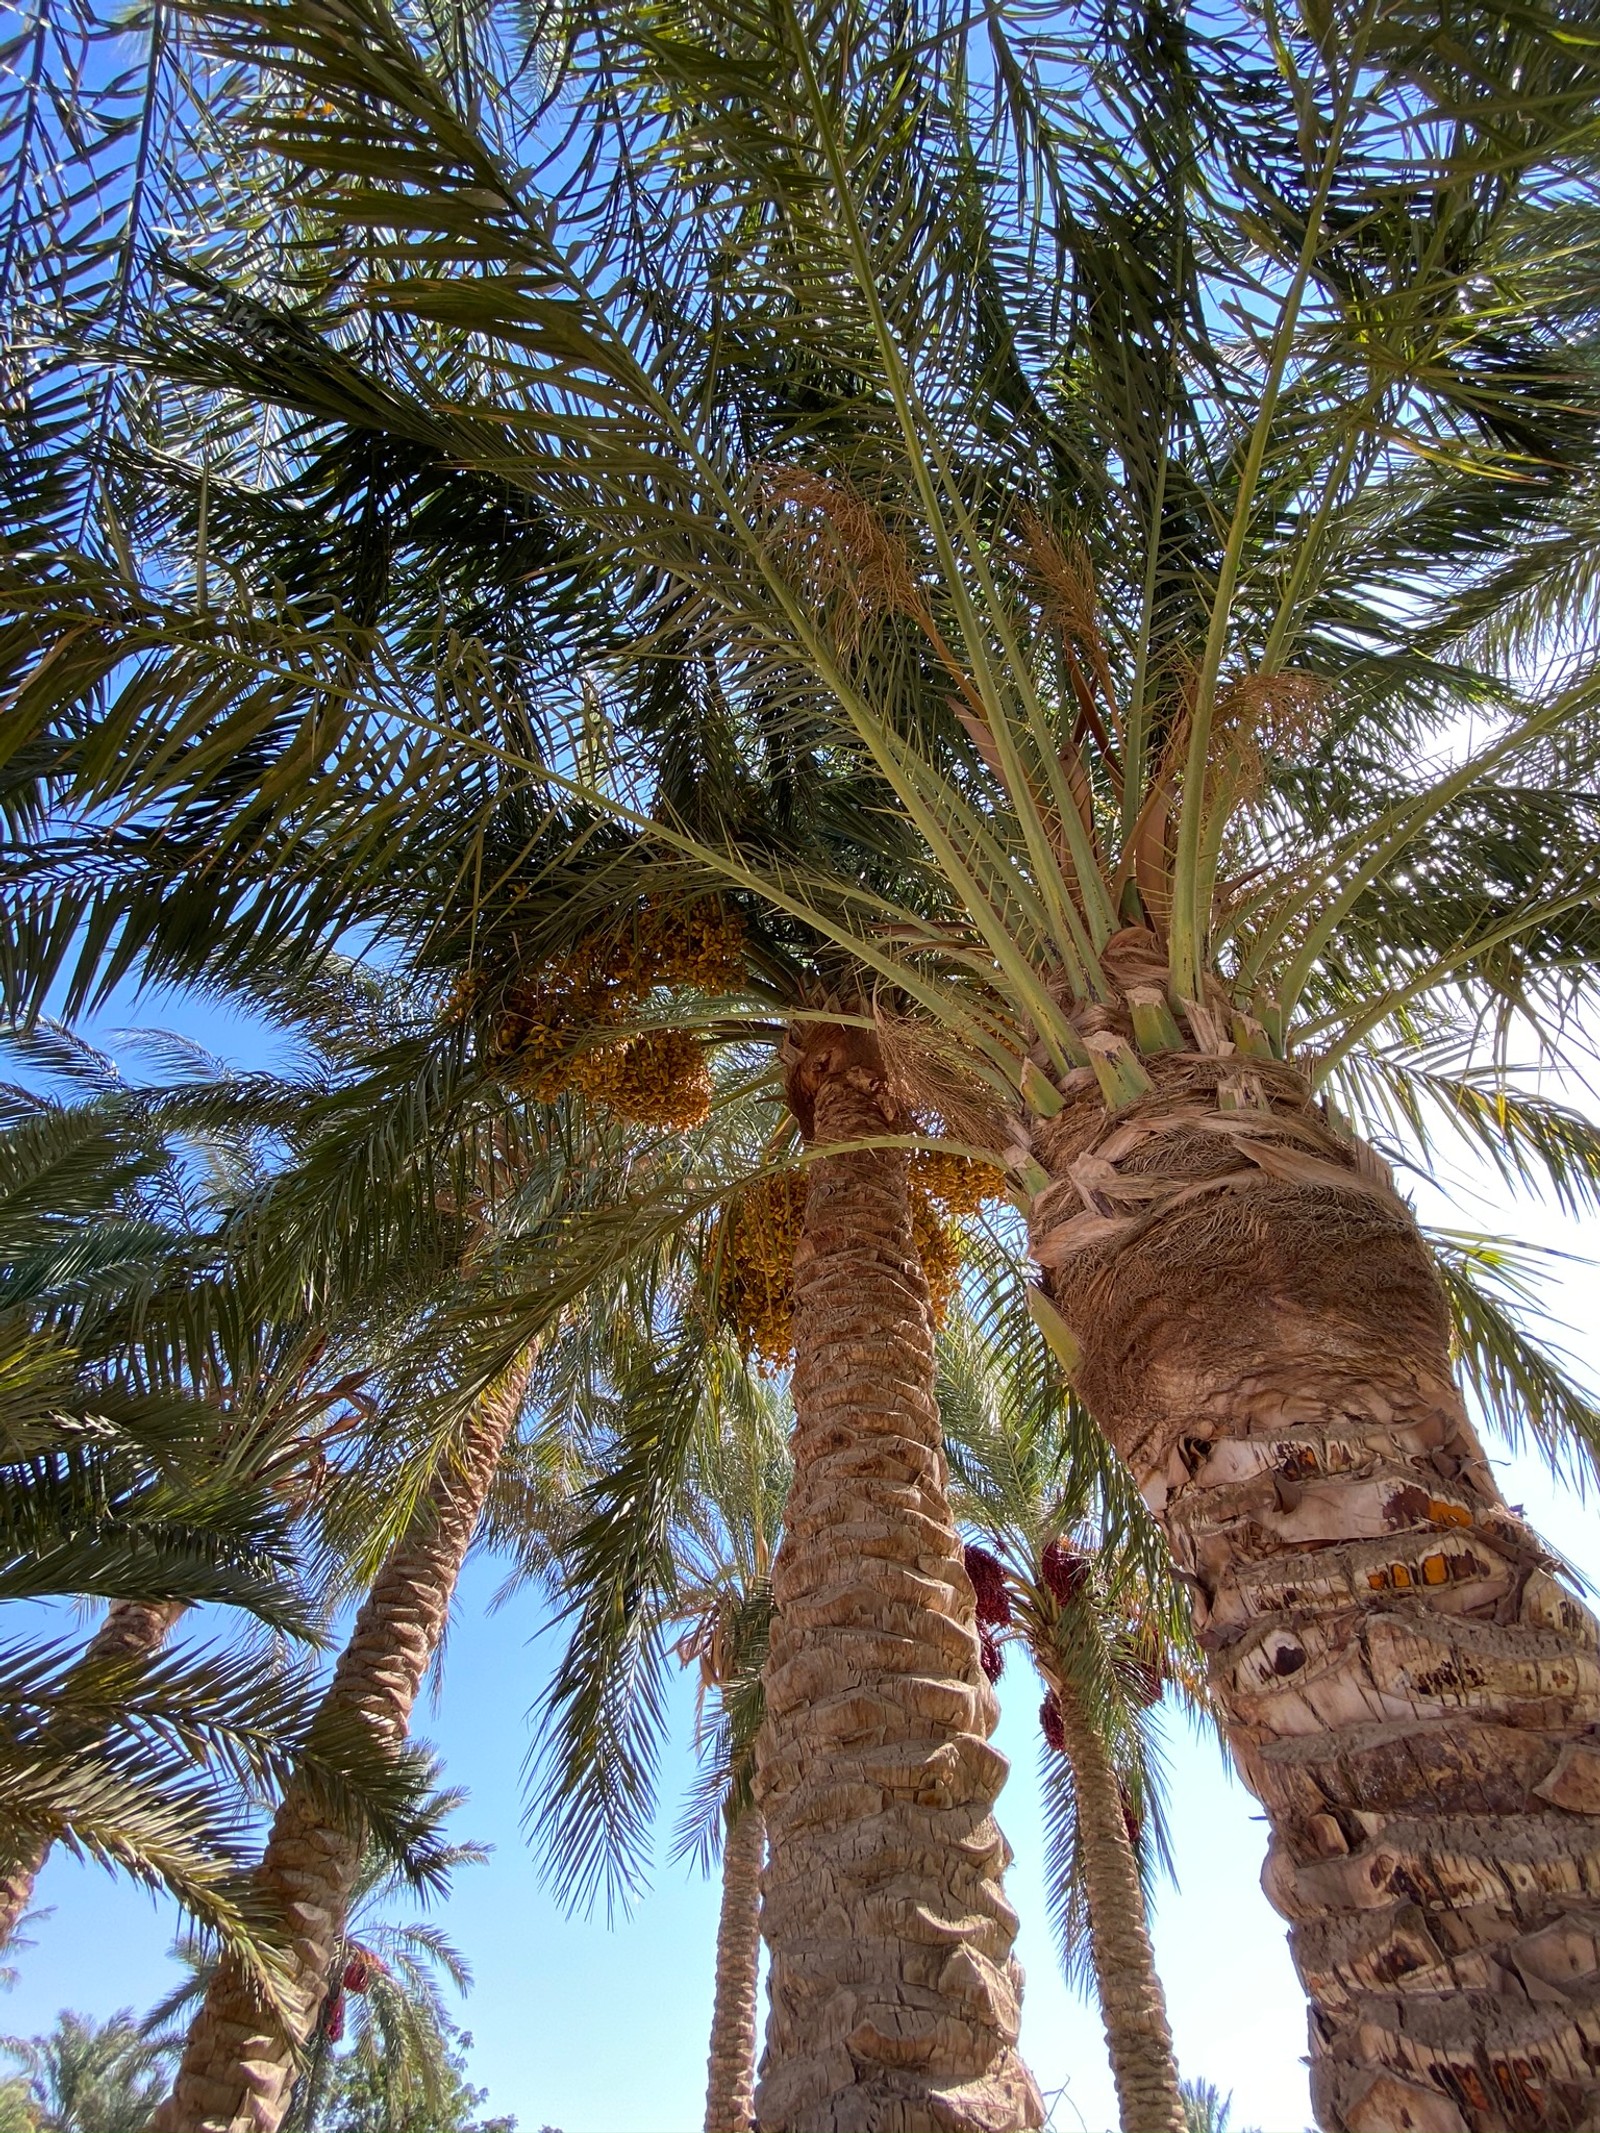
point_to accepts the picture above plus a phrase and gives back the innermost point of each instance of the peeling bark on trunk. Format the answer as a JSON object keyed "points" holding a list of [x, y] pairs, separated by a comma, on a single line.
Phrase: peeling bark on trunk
{"points": [[1133, 2007], [132, 1630], [238, 2067], [1409, 1691], [731, 2072], [894, 1995]]}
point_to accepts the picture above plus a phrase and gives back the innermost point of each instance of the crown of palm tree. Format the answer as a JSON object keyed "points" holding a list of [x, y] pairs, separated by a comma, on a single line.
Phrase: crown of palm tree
{"points": [[1053, 596]]}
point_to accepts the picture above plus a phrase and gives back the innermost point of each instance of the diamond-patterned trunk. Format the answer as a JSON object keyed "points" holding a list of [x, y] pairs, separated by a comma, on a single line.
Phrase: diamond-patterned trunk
{"points": [[1408, 1688], [1133, 2008], [894, 1995], [237, 2072], [731, 2070]]}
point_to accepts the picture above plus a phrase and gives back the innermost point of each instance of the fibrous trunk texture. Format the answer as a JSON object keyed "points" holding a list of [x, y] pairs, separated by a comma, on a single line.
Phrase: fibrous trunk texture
{"points": [[731, 2073], [894, 1996], [238, 2067], [1132, 2004], [1409, 1690], [132, 1630]]}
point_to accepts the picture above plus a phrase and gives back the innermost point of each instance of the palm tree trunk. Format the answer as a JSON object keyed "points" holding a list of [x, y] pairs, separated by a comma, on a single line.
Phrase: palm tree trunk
{"points": [[1407, 1688], [730, 2075], [894, 1995], [132, 1630], [238, 2065], [1132, 2004]]}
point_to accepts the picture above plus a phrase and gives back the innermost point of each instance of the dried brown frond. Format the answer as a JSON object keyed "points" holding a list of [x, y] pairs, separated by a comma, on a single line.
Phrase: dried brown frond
{"points": [[1257, 716], [843, 543], [1269, 713], [1065, 575], [848, 554], [930, 1077]]}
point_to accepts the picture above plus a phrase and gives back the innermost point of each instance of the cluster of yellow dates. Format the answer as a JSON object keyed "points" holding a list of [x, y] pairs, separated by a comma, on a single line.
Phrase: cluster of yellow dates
{"points": [[754, 1245], [551, 1036]]}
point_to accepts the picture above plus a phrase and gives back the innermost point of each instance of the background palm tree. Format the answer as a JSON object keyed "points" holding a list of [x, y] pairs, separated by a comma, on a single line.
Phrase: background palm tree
{"points": [[237, 2052], [383, 1994], [110, 1242], [91, 2077], [148, 1494], [1205, 2108], [1067, 1567], [192, 1305], [652, 1354], [727, 1539]]}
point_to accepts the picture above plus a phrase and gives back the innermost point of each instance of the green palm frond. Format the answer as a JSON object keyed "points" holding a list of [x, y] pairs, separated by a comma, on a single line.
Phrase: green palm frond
{"points": [[1534, 1143], [591, 1782], [1523, 1383]]}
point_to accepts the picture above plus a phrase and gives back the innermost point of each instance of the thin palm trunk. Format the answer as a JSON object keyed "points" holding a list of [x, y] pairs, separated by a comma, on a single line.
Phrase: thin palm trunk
{"points": [[1407, 1688], [311, 2091], [132, 1630], [894, 1995], [731, 2072], [239, 2059], [1133, 2007]]}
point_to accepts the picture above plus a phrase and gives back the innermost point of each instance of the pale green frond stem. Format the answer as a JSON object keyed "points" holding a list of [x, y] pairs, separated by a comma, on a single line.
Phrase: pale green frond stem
{"points": [[1190, 892], [1000, 932], [919, 437], [1306, 552], [1135, 742]]}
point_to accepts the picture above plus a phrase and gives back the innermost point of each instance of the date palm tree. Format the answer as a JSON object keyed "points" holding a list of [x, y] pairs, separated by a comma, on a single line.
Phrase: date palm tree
{"points": [[240, 2056], [495, 1188], [1070, 1573], [282, 1454], [541, 910], [383, 1972], [105, 1216], [152, 1498], [90, 2077], [727, 1539], [1101, 442], [705, 1600]]}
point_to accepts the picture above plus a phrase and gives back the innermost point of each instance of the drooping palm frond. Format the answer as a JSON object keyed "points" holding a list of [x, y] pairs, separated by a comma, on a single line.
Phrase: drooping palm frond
{"points": [[150, 1770], [827, 85], [1522, 1381], [592, 1780], [1430, 1097]]}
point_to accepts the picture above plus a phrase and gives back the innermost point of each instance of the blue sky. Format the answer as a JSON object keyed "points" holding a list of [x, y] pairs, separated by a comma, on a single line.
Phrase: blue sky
{"points": [[603, 2030]]}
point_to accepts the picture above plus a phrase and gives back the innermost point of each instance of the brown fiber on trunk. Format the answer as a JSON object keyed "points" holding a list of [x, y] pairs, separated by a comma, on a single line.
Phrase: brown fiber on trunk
{"points": [[731, 2071], [1409, 1690], [239, 2061], [894, 1994], [1133, 2007], [132, 1630]]}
